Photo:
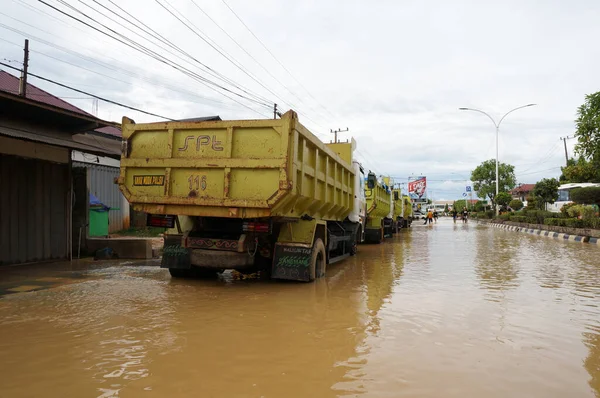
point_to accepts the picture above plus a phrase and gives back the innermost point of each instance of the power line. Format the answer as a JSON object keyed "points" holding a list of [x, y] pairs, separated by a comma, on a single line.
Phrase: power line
{"points": [[104, 65], [257, 62], [209, 69], [198, 32], [546, 157], [144, 50], [538, 171], [90, 94], [257, 98], [123, 39], [214, 46], [245, 51], [147, 50], [275, 58], [95, 61], [150, 31]]}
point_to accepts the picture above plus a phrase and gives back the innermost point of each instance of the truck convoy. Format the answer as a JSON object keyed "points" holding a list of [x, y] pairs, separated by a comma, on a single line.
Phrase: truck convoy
{"points": [[250, 195], [407, 211], [379, 206]]}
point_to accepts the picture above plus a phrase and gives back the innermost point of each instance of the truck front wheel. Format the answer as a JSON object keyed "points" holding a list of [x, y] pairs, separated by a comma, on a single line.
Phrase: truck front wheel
{"points": [[382, 236], [318, 260], [354, 247]]}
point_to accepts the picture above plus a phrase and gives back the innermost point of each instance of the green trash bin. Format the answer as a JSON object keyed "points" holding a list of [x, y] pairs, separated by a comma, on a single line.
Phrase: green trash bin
{"points": [[98, 222], [98, 217]]}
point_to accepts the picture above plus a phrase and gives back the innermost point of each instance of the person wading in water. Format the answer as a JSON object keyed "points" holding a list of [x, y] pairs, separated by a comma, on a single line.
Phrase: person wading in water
{"points": [[429, 217]]}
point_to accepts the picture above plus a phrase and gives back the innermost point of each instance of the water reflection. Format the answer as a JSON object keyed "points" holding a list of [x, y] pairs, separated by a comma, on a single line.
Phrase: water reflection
{"points": [[379, 274], [495, 262], [382, 267], [265, 338], [99, 334], [448, 310], [591, 340], [586, 288]]}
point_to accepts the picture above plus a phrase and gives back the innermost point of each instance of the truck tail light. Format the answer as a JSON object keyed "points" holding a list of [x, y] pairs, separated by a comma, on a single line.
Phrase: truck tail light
{"points": [[160, 220], [256, 227]]}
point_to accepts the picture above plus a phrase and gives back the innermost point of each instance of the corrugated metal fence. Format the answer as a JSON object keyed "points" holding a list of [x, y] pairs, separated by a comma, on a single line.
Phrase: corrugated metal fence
{"points": [[34, 211], [101, 184]]}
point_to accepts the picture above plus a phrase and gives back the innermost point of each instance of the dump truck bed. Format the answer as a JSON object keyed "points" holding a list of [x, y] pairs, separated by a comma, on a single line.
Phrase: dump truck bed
{"points": [[237, 169], [378, 201]]}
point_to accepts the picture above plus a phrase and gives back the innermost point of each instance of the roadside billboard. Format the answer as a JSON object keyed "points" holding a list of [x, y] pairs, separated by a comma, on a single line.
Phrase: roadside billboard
{"points": [[417, 189]]}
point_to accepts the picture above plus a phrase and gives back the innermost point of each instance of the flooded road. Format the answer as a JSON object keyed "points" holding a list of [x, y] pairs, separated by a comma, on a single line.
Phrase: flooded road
{"points": [[441, 311]]}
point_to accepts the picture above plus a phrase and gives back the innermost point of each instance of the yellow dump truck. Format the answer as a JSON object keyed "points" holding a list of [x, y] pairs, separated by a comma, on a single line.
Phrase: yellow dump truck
{"points": [[390, 222], [407, 211], [247, 195], [398, 210], [379, 202]]}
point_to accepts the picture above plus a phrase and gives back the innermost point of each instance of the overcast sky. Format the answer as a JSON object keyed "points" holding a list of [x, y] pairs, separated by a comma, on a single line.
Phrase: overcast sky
{"points": [[393, 72]]}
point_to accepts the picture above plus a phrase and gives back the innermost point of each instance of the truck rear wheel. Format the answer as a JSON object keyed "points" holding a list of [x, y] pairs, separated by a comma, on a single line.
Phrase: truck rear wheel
{"points": [[194, 272], [318, 261], [200, 272]]}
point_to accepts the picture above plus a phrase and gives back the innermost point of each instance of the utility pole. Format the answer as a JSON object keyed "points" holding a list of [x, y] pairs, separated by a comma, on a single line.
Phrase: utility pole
{"points": [[276, 112], [566, 153], [335, 132], [95, 107], [23, 81]]}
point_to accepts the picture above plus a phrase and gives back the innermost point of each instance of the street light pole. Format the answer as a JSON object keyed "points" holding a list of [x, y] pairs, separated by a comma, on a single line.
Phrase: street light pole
{"points": [[497, 125], [497, 174]]}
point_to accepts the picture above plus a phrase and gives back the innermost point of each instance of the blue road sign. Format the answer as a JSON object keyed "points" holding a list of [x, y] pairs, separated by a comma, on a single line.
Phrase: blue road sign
{"points": [[468, 188], [465, 194]]}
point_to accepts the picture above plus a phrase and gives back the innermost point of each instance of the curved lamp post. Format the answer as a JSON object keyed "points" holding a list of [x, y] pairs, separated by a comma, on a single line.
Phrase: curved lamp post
{"points": [[497, 125]]}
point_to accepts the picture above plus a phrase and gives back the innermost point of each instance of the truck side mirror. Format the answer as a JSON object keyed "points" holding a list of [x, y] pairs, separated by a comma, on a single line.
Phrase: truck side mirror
{"points": [[396, 196], [371, 181]]}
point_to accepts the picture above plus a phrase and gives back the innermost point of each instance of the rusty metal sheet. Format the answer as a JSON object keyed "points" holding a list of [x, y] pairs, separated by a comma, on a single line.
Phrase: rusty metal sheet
{"points": [[34, 211], [242, 168]]}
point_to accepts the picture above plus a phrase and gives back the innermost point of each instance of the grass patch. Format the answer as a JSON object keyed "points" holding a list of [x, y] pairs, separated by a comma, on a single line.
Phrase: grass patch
{"points": [[142, 232]]}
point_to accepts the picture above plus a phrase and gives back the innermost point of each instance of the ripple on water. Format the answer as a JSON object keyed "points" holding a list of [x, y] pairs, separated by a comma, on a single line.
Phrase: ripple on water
{"points": [[448, 310]]}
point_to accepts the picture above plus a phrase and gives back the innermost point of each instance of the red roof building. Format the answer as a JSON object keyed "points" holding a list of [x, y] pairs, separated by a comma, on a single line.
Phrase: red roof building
{"points": [[522, 191], [10, 84]]}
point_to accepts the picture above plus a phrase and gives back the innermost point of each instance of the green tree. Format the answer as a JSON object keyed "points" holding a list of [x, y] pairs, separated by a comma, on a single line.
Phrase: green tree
{"points": [[587, 196], [531, 202], [484, 179], [516, 204], [503, 198], [459, 205], [580, 171], [588, 128], [480, 205], [546, 191], [446, 208]]}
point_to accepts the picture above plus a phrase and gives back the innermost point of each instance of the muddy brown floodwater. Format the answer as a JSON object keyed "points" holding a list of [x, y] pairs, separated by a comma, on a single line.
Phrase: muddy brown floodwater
{"points": [[441, 311]]}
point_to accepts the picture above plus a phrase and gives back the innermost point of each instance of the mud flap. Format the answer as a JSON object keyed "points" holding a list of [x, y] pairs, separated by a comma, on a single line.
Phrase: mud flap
{"points": [[292, 262], [373, 235], [174, 255]]}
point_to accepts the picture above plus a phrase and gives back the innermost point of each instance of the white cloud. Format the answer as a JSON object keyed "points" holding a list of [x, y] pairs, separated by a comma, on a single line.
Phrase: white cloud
{"points": [[395, 73]]}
